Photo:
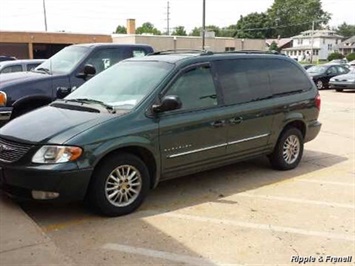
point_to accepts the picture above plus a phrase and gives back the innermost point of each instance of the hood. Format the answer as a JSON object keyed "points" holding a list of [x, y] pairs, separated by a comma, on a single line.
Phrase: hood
{"points": [[51, 125], [20, 77], [344, 76]]}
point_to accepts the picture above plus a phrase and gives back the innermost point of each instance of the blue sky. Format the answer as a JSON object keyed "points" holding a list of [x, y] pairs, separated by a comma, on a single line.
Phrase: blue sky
{"points": [[102, 16]]}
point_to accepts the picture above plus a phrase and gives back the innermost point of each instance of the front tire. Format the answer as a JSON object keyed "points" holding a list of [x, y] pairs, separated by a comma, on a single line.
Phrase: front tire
{"points": [[288, 150], [319, 84], [119, 185]]}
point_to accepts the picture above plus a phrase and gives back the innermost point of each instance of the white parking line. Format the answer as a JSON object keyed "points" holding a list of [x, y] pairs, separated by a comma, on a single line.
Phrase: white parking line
{"points": [[327, 182], [314, 202], [190, 260], [267, 227]]}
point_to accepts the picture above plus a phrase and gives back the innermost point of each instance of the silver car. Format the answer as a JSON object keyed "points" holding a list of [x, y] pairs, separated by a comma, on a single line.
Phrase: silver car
{"points": [[341, 82], [22, 65]]}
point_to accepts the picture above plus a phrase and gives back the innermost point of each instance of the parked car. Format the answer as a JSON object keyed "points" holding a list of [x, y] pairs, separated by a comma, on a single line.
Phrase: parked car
{"points": [[321, 74], [341, 82], [64, 71], [6, 58], [306, 66], [158, 117], [19, 65], [352, 64]]}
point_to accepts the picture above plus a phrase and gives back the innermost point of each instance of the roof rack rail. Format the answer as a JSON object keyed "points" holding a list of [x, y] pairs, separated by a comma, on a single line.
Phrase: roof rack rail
{"points": [[179, 51]]}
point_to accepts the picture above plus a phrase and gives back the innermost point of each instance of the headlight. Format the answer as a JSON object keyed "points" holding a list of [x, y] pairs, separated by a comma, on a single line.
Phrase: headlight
{"points": [[57, 154], [332, 79], [351, 80]]}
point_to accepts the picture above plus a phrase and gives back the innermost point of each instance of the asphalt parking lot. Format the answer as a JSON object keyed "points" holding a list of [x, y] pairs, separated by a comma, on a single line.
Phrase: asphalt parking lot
{"points": [[245, 213]]}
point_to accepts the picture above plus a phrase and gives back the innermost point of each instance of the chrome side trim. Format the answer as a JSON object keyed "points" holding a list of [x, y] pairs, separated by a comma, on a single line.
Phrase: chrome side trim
{"points": [[195, 151], [216, 146], [248, 139]]}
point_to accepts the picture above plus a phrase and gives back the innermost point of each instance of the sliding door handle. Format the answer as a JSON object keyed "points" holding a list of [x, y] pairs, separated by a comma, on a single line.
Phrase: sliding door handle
{"points": [[218, 123]]}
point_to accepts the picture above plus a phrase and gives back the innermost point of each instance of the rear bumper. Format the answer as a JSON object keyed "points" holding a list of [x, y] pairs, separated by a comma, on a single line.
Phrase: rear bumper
{"points": [[313, 130], [70, 184]]}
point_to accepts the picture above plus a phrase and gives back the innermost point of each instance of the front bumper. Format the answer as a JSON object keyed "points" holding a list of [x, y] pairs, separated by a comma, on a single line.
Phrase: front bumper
{"points": [[20, 182], [341, 85], [5, 114]]}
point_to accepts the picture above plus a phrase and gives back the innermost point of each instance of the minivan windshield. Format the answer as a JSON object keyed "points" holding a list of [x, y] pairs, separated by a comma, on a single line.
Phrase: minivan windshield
{"points": [[123, 85], [64, 61]]}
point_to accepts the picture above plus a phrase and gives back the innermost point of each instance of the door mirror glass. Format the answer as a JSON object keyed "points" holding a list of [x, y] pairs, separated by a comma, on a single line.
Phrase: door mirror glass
{"points": [[88, 72], [168, 103], [63, 92]]}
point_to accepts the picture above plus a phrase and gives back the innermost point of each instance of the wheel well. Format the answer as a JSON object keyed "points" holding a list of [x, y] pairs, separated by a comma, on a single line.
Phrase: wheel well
{"points": [[145, 155], [29, 103], [297, 124]]}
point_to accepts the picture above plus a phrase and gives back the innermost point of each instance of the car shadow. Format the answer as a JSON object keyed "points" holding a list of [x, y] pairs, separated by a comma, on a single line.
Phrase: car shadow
{"points": [[194, 189], [110, 239]]}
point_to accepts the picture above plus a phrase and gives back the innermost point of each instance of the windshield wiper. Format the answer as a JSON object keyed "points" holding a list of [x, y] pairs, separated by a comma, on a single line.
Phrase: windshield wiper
{"points": [[42, 69], [87, 100]]}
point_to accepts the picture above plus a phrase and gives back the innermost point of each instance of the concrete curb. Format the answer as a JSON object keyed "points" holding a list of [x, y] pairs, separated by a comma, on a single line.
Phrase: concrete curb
{"points": [[22, 242]]}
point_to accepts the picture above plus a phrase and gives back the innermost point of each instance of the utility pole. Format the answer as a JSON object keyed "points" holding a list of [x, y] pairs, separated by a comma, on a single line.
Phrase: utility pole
{"points": [[168, 19], [45, 14], [203, 24], [312, 40]]}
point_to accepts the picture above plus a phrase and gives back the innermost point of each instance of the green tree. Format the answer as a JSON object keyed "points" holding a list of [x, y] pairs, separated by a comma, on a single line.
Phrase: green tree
{"points": [[346, 30], [196, 31], [179, 31], [294, 16], [350, 57], [274, 47], [254, 26], [148, 27], [121, 29], [333, 56]]}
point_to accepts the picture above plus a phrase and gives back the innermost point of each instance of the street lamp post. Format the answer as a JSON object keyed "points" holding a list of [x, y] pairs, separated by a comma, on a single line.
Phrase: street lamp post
{"points": [[45, 14], [203, 24]]}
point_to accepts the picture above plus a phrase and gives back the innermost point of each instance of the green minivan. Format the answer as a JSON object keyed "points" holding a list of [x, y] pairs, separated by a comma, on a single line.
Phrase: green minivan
{"points": [[158, 117]]}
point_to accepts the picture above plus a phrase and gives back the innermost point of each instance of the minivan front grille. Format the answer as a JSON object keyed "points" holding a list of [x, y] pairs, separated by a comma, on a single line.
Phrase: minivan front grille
{"points": [[12, 151]]}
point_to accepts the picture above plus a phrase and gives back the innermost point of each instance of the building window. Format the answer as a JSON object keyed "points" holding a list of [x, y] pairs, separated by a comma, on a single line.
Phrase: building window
{"points": [[230, 49], [323, 41], [330, 47]]}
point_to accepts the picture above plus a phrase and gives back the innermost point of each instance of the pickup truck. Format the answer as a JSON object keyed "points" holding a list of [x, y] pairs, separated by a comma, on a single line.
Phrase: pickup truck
{"points": [[59, 75]]}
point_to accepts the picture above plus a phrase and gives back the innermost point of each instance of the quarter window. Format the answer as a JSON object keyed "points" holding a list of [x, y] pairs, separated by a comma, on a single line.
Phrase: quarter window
{"points": [[195, 88], [285, 77]]}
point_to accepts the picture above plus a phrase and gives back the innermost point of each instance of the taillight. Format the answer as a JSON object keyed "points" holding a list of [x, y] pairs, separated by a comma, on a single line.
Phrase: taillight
{"points": [[318, 101]]}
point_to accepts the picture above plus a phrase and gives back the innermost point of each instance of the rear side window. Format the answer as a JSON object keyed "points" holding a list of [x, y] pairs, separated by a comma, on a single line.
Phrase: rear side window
{"points": [[285, 77], [29, 67], [243, 80], [11, 69]]}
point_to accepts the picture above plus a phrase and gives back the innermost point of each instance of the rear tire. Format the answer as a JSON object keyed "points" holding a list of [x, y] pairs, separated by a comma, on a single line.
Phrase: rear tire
{"points": [[288, 150], [119, 185]]}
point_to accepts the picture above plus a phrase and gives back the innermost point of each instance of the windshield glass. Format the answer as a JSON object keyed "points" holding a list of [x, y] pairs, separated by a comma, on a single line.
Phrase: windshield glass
{"points": [[64, 61], [123, 85], [316, 69]]}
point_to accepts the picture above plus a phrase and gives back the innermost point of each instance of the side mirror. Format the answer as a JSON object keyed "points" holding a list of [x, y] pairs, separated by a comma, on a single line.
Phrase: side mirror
{"points": [[88, 72], [62, 92], [168, 103]]}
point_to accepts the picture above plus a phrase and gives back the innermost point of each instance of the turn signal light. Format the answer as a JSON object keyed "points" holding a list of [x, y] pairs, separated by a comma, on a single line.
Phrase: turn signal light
{"points": [[3, 98]]}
